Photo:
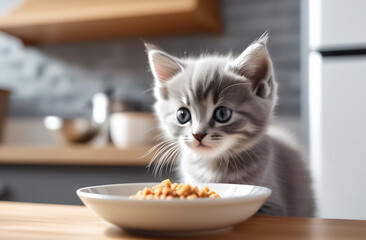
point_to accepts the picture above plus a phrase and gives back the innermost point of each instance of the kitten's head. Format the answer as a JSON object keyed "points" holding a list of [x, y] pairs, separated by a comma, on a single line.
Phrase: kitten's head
{"points": [[214, 104]]}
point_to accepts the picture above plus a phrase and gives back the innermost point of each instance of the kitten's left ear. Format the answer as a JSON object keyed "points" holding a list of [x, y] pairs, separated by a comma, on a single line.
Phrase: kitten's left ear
{"points": [[255, 65], [163, 66]]}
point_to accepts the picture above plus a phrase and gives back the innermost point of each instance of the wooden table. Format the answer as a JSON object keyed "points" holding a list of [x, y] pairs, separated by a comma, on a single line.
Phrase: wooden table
{"points": [[45, 221]]}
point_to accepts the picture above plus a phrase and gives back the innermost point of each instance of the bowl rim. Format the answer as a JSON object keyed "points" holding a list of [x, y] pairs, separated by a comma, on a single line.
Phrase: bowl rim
{"points": [[264, 194]]}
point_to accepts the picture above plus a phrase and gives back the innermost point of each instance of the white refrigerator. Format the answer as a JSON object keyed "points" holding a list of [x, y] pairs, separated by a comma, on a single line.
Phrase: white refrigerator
{"points": [[335, 87]]}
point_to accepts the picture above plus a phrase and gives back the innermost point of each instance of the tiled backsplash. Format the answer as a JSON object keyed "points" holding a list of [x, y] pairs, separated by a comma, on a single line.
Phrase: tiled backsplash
{"points": [[60, 79]]}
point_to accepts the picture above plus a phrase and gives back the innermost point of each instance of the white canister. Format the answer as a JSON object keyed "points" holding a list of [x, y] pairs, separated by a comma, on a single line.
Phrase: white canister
{"points": [[133, 129]]}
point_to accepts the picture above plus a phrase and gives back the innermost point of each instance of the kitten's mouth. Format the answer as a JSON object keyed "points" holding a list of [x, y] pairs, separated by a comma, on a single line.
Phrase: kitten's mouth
{"points": [[200, 148], [203, 149], [203, 146]]}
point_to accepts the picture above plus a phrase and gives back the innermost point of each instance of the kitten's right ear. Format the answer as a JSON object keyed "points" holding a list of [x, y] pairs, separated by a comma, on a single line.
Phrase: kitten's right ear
{"points": [[255, 64], [163, 66]]}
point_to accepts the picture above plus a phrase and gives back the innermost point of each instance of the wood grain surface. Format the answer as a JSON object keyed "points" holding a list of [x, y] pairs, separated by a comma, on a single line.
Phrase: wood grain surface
{"points": [[75, 155], [45, 221], [43, 21]]}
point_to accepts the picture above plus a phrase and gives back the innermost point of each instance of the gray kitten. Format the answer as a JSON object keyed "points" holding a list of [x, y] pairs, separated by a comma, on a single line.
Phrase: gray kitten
{"points": [[215, 113]]}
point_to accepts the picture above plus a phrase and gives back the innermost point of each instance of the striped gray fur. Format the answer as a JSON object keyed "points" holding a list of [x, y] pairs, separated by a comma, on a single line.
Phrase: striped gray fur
{"points": [[242, 150]]}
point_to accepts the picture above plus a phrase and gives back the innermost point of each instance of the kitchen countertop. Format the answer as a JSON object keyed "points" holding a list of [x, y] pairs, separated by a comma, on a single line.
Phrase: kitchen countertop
{"points": [[47, 221]]}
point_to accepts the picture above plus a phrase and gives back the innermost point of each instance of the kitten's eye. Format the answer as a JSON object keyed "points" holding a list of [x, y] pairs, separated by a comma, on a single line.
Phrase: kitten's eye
{"points": [[183, 115], [222, 114]]}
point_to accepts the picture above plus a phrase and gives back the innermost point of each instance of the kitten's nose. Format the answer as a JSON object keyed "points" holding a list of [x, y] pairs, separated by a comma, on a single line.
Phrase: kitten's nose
{"points": [[199, 136]]}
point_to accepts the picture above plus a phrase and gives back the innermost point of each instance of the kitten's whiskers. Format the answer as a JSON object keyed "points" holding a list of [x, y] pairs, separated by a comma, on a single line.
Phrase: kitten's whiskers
{"points": [[165, 156]]}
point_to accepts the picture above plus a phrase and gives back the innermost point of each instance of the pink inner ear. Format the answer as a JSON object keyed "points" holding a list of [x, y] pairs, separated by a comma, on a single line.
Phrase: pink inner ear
{"points": [[163, 75], [257, 72]]}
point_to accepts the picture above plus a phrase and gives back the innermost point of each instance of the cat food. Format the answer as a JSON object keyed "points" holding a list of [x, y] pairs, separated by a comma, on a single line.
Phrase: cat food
{"points": [[168, 190]]}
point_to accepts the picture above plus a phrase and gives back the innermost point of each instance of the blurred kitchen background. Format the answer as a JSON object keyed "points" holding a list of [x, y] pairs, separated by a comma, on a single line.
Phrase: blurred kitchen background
{"points": [[75, 104]]}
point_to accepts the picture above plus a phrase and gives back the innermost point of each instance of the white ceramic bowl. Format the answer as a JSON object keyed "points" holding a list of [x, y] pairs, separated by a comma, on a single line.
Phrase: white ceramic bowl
{"points": [[112, 203], [133, 129]]}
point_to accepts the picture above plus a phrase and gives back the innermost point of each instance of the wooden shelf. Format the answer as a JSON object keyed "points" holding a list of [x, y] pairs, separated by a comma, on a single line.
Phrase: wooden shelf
{"points": [[44, 21], [75, 155]]}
